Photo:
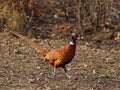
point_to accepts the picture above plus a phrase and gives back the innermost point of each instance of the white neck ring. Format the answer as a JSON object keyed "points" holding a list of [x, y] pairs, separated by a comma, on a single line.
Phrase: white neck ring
{"points": [[71, 43]]}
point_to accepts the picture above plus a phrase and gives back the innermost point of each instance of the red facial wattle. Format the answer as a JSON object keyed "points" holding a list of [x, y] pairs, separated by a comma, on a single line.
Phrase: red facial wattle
{"points": [[75, 37]]}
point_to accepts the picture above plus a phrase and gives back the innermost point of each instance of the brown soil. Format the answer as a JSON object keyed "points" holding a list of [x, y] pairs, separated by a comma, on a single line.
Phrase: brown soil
{"points": [[95, 67]]}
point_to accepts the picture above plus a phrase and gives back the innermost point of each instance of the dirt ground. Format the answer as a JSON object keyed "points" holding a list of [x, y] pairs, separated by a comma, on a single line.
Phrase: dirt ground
{"points": [[93, 68]]}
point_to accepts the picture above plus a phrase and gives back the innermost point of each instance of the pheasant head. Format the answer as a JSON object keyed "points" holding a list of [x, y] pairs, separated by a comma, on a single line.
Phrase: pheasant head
{"points": [[73, 39]]}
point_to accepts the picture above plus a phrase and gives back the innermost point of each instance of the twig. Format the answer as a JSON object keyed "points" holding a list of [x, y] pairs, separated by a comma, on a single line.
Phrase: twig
{"points": [[115, 10]]}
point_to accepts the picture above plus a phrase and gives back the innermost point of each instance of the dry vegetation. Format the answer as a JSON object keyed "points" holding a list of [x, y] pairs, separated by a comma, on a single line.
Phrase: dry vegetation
{"points": [[96, 65], [86, 17]]}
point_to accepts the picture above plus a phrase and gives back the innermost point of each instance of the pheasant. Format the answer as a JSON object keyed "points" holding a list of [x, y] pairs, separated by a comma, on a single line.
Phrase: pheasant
{"points": [[57, 58]]}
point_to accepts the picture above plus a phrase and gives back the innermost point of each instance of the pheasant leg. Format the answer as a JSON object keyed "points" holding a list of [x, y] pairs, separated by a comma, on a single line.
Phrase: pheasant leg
{"points": [[65, 71], [54, 73]]}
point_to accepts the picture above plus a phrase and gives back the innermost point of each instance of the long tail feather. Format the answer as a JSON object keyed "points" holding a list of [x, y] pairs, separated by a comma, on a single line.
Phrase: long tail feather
{"points": [[34, 45]]}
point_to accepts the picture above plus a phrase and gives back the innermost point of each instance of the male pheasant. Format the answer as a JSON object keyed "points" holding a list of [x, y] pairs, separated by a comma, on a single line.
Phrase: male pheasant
{"points": [[59, 57]]}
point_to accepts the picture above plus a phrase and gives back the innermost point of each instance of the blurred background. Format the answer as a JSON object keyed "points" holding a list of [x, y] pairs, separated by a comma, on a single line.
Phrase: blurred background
{"points": [[92, 19]]}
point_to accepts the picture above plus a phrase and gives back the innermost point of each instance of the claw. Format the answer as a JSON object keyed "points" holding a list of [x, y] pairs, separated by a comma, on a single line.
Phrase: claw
{"points": [[69, 77]]}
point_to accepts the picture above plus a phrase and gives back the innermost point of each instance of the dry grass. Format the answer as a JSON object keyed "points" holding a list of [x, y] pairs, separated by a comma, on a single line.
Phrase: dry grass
{"points": [[11, 18]]}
